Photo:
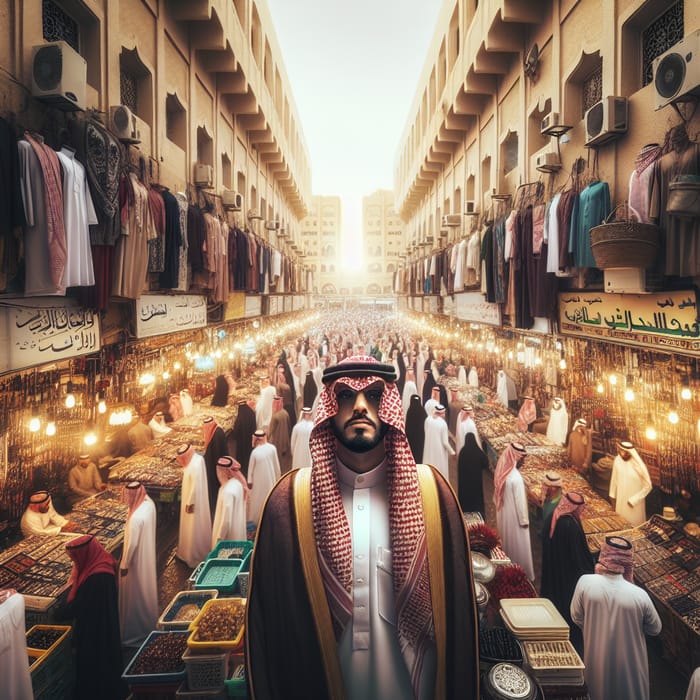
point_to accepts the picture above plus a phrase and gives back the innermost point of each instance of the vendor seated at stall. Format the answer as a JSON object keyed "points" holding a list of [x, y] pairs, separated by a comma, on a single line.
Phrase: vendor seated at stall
{"points": [[84, 479], [157, 425], [140, 434], [41, 517]]}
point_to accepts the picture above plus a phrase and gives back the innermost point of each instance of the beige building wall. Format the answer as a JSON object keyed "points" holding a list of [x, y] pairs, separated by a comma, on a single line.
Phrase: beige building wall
{"points": [[473, 130], [209, 86], [382, 241], [321, 236]]}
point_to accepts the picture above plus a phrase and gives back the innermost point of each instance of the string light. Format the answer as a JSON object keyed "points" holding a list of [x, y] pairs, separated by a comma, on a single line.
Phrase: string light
{"points": [[51, 428], [612, 379], [35, 422], [673, 417], [562, 364], [70, 396], [629, 395], [101, 404], [600, 388]]}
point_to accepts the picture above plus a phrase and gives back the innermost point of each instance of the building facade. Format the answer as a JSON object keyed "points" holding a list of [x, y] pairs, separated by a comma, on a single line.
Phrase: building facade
{"points": [[382, 231], [321, 236]]}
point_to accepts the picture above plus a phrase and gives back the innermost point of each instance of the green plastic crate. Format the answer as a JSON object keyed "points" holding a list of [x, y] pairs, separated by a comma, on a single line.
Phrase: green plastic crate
{"points": [[220, 574]]}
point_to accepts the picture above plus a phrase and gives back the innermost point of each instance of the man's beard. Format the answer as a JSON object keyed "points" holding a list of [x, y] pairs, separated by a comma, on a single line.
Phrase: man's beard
{"points": [[360, 442]]}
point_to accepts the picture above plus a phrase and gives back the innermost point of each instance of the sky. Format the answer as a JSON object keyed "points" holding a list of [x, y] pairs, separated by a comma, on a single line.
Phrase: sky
{"points": [[353, 67]]}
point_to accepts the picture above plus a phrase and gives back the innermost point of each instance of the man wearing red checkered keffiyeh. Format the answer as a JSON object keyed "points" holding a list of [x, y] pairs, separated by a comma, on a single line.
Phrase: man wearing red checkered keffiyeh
{"points": [[370, 534]]}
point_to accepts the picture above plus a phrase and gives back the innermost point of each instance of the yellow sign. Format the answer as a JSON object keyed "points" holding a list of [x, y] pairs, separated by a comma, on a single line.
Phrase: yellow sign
{"points": [[665, 320], [235, 306]]}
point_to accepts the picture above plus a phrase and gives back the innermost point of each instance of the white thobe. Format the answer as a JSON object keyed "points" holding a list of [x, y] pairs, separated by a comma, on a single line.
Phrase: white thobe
{"points": [[263, 408], [614, 615], [263, 472], [629, 489], [420, 366], [195, 528], [301, 434], [14, 663], [409, 389], [510, 520], [436, 449], [463, 427], [502, 389], [558, 425], [157, 428], [49, 523], [138, 590], [370, 656], [473, 378], [78, 214], [186, 402], [462, 376], [693, 692], [230, 514], [429, 406]]}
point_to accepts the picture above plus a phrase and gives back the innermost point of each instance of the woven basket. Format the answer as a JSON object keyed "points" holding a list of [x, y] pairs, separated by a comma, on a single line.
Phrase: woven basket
{"points": [[624, 243]]}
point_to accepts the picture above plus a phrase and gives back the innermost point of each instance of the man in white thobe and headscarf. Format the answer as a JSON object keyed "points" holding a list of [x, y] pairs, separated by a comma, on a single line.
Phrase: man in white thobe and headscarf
{"points": [[231, 503], [409, 389], [138, 582], [502, 388], [630, 484], [510, 499], [263, 472], [466, 424], [558, 425], [437, 449], [615, 615], [263, 406], [158, 426], [194, 538], [473, 377], [433, 401], [301, 434]]}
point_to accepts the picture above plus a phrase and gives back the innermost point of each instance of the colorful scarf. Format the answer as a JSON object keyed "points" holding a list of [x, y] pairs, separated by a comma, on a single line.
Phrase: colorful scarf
{"points": [[527, 414], [407, 528], [184, 458], [616, 557], [505, 465], [89, 558], [228, 468], [571, 504]]}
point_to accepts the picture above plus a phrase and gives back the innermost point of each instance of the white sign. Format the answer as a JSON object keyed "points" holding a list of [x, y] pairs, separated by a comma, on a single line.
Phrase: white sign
{"points": [[253, 306], [471, 306], [157, 314], [272, 306], [48, 330]]}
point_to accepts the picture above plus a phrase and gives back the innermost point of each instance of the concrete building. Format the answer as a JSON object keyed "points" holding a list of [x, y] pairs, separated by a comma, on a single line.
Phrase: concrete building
{"points": [[383, 246], [321, 237]]}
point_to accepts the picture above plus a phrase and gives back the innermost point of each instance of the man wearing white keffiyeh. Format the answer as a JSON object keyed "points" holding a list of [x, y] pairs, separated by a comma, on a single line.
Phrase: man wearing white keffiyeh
{"points": [[387, 613]]}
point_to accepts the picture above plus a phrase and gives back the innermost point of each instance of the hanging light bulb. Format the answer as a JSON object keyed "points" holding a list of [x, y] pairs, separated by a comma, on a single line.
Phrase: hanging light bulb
{"points": [[629, 394], [70, 396], [146, 378], [650, 432], [90, 437], [177, 366], [34, 422], [562, 364], [686, 393], [600, 388], [673, 417], [166, 375], [50, 428], [613, 379], [101, 403]]}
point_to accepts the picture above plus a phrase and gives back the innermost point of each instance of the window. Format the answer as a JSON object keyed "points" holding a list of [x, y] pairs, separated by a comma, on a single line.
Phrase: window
{"points": [[58, 25], [660, 36], [226, 174], [592, 89], [205, 146], [583, 87], [175, 121], [135, 85]]}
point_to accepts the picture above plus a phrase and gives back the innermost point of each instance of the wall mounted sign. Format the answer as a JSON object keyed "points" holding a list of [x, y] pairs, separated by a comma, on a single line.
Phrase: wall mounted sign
{"points": [[664, 320], [253, 306], [235, 306], [50, 330], [471, 306], [158, 314]]}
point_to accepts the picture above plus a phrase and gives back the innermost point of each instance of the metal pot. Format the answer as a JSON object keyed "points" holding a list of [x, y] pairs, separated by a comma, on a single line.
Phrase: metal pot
{"points": [[483, 568], [508, 682]]}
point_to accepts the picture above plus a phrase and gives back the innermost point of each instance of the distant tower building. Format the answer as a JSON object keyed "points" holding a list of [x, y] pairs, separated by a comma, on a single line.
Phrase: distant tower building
{"points": [[382, 228], [321, 232]]}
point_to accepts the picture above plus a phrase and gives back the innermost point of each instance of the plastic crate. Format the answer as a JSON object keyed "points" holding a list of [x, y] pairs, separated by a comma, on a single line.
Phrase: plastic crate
{"points": [[220, 645], [220, 574], [136, 680], [168, 620], [231, 549], [61, 630], [243, 578], [206, 671], [193, 576], [50, 665], [236, 683], [184, 692]]}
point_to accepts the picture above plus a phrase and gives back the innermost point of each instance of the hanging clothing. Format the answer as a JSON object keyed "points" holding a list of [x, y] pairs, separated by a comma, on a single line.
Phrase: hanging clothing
{"points": [[640, 182], [138, 588], [594, 207], [156, 245], [182, 271], [194, 537], [173, 240]]}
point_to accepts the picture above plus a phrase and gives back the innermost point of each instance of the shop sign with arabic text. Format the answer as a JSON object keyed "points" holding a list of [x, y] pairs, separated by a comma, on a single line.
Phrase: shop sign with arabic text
{"points": [[157, 314], [666, 321]]}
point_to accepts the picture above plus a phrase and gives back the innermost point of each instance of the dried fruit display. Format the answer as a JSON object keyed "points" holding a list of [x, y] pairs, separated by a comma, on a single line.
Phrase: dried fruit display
{"points": [[162, 655], [43, 638], [221, 622]]}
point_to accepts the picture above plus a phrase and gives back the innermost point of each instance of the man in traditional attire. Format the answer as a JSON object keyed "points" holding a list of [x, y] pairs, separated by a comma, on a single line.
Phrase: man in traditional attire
{"points": [[615, 615], [301, 433], [263, 472], [138, 584], [565, 558], [140, 434], [279, 434], [284, 387], [263, 406], [437, 448], [409, 388], [473, 377], [158, 426], [415, 427], [527, 414], [195, 520], [580, 446], [231, 505], [214, 447], [472, 462], [41, 518], [359, 609], [84, 479], [242, 433], [502, 388], [433, 401], [558, 425], [510, 499], [466, 424], [551, 493], [630, 484]]}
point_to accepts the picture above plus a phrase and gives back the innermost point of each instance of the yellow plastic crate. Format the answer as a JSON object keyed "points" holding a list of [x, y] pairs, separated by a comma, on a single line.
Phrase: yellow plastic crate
{"points": [[207, 646], [61, 630]]}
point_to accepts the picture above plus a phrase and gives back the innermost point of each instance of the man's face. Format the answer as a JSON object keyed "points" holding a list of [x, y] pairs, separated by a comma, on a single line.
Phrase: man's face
{"points": [[84, 463], [624, 454], [44, 507], [357, 425]]}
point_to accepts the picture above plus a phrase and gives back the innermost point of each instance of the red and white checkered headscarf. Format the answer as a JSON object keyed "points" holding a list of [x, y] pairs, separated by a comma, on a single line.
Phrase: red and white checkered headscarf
{"points": [[571, 503], [406, 525], [505, 465], [527, 414], [616, 557]]}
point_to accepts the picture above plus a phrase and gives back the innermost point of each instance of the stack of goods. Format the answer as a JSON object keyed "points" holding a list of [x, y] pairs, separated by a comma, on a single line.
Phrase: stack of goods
{"points": [[533, 619], [241, 550], [165, 447], [497, 644], [50, 660], [157, 667], [149, 470], [554, 662], [184, 608]]}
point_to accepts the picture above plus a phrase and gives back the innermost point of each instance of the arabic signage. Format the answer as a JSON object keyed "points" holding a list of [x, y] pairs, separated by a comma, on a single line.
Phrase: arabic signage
{"points": [[158, 314], [253, 306], [471, 306], [235, 306], [48, 331], [667, 320]]}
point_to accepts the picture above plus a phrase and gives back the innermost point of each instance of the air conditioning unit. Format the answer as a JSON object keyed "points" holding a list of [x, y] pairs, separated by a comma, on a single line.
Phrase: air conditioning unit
{"points": [[549, 121], [254, 215], [470, 206], [452, 220], [203, 175], [625, 280], [606, 120], [272, 225], [122, 124], [59, 76], [548, 161], [677, 71], [232, 201]]}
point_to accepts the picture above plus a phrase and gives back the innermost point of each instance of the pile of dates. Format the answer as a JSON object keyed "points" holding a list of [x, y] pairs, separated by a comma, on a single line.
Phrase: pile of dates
{"points": [[162, 655], [221, 622], [42, 638]]}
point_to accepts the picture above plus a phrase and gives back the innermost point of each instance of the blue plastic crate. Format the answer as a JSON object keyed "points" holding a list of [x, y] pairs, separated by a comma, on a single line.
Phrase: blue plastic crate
{"points": [[220, 574], [169, 619], [165, 678]]}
